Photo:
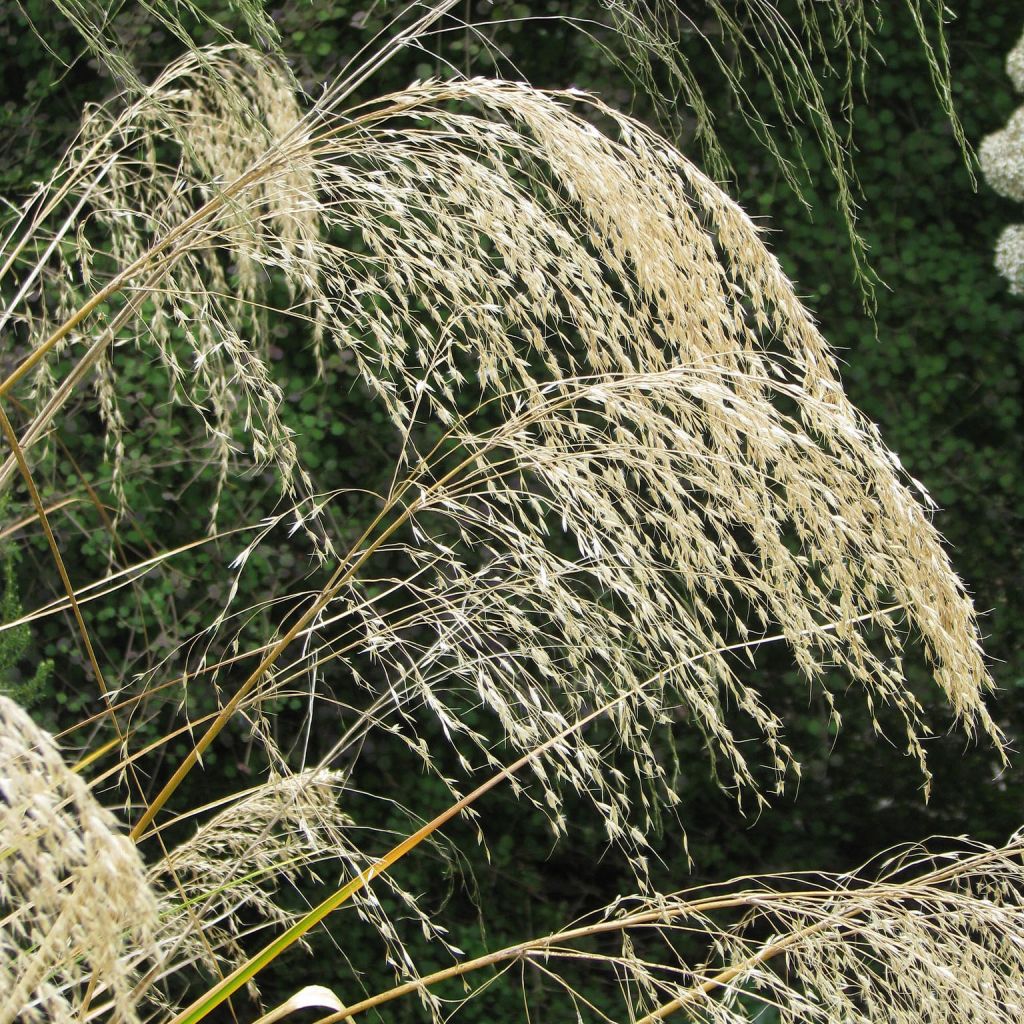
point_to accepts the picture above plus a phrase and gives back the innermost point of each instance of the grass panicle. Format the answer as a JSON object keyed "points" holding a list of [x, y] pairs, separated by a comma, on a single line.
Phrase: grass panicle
{"points": [[624, 462], [75, 903]]}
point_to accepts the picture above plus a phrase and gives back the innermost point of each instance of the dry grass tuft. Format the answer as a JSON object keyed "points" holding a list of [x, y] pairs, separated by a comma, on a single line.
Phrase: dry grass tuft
{"points": [[626, 462], [135, 176], [75, 907], [220, 887], [787, 52]]}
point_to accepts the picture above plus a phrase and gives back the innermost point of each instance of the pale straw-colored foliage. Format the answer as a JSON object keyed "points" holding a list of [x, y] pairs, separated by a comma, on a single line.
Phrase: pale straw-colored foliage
{"points": [[221, 886], [636, 353], [75, 903], [627, 462], [229, 870], [221, 109]]}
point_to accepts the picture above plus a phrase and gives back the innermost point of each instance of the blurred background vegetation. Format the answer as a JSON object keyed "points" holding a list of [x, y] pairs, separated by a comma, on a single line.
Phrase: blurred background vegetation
{"points": [[938, 367]]}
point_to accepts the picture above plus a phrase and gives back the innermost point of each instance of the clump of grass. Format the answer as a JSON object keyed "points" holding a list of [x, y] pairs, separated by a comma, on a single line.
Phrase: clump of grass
{"points": [[926, 935], [75, 902], [788, 52], [626, 460]]}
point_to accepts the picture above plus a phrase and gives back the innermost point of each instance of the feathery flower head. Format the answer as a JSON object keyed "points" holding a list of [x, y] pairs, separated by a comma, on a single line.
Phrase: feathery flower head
{"points": [[74, 898]]}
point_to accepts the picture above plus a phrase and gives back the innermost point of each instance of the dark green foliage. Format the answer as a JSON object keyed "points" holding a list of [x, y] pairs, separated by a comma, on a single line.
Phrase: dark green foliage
{"points": [[23, 677]]}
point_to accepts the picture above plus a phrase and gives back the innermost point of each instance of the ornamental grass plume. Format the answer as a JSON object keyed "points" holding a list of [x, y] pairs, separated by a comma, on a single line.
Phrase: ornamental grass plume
{"points": [[76, 910], [625, 462], [233, 863], [221, 886]]}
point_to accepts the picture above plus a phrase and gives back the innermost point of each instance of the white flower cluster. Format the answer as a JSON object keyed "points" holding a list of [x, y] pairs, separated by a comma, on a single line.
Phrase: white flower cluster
{"points": [[1002, 158], [1002, 162], [1010, 257], [1015, 65]]}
